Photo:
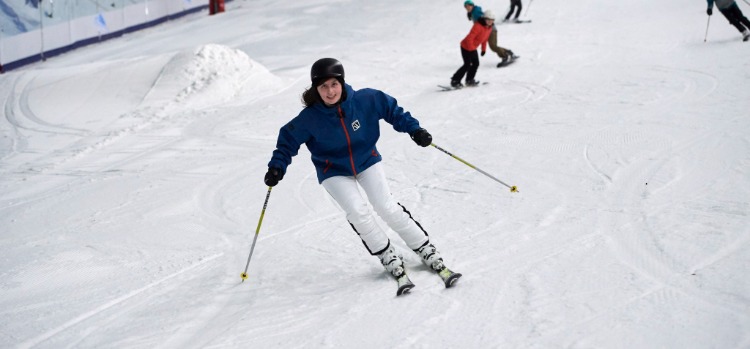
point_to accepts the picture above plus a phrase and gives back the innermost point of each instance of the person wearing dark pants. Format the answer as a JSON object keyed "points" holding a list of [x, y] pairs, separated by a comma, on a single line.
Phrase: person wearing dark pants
{"points": [[469, 69], [515, 5], [732, 12], [479, 35]]}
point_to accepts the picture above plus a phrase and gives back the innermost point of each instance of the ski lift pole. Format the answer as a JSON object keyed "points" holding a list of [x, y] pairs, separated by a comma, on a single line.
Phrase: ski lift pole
{"points": [[255, 239], [512, 188]]}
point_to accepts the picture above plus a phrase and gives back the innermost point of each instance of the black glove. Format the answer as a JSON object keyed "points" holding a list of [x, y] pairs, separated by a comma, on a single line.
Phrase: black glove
{"points": [[483, 52], [273, 176], [468, 15], [421, 137], [710, 11]]}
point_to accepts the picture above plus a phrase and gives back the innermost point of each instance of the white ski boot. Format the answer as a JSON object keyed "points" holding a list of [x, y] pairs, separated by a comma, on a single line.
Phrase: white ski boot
{"points": [[432, 258], [394, 264]]}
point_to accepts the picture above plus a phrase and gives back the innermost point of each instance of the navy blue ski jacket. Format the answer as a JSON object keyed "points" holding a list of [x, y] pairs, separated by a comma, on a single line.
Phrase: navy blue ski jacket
{"points": [[341, 138]]}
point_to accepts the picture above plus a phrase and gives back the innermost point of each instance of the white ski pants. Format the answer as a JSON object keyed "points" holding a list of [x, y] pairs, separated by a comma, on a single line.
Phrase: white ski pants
{"points": [[345, 190]]}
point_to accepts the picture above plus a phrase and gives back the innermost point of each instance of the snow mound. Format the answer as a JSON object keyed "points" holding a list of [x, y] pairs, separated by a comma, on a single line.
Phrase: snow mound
{"points": [[210, 75]]}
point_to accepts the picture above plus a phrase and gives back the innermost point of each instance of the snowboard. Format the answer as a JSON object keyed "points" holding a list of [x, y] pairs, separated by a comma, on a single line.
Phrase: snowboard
{"points": [[508, 62]]}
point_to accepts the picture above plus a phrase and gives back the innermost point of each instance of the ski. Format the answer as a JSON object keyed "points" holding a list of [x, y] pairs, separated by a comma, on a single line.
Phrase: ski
{"points": [[451, 88], [404, 285], [449, 277], [517, 21]]}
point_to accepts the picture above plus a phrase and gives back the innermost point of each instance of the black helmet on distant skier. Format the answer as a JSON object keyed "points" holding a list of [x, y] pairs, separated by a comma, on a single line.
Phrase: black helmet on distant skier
{"points": [[325, 68]]}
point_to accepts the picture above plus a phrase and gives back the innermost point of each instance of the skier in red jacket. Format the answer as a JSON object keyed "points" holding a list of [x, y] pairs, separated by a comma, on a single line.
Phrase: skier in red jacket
{"points": [[479, 35]]}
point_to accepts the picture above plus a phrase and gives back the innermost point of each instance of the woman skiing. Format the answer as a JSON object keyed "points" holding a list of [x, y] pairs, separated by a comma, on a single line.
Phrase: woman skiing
{"points": [[732, 12], [479, 35], [340, 127]]}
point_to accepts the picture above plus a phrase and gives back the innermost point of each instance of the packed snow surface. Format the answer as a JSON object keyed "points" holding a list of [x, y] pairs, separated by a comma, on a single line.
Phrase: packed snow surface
{"points": [[131, 183]]}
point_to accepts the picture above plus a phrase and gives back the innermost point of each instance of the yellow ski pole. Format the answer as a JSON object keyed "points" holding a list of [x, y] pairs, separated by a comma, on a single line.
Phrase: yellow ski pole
{"points": [[513, 188], [257, 230]]}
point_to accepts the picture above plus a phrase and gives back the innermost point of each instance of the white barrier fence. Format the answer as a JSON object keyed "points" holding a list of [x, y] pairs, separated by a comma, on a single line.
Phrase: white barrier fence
{"points": [[47, 41]]}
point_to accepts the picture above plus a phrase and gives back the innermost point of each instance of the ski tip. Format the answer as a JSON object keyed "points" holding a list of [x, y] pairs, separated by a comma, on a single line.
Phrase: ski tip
{"points": [[404, 285], [404, 290], [452, 280]]}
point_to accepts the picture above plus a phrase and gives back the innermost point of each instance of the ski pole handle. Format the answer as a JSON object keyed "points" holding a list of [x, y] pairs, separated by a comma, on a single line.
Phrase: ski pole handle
{"points": [[513, 188]]}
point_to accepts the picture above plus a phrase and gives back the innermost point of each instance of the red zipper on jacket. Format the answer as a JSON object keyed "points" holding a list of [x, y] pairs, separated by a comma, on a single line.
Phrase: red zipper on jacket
{"points": [[348, 140]]}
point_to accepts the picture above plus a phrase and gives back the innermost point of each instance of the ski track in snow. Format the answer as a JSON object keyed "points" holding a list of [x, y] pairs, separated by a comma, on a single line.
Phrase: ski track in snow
{"points": [[108, 305]]}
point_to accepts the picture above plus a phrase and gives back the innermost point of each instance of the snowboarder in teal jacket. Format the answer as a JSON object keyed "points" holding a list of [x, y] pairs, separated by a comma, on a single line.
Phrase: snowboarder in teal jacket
{"points": [[474, 13]]}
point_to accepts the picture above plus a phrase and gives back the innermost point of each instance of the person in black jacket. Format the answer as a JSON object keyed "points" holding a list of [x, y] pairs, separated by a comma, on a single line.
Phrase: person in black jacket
{"points": [[514, 5], [732, 12]]}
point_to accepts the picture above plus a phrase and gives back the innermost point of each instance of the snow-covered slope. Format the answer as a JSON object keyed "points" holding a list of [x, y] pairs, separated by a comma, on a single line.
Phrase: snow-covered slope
{"points": [[132, 183]]}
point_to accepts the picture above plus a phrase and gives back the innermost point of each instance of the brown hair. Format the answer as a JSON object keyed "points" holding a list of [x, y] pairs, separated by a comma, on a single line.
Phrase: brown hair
{"points": [[310, 96]]}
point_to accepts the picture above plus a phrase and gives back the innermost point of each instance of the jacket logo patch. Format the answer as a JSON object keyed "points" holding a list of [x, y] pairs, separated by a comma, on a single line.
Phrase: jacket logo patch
{"points": [[355, 125]]}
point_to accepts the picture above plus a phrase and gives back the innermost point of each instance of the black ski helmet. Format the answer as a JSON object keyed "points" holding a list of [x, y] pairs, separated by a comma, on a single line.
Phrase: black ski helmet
{"points": [[325, 68]]}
